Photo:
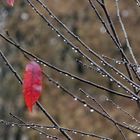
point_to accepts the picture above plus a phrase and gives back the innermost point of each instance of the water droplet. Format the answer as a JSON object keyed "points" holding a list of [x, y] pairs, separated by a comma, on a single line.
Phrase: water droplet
{"points": [[13, 125], [111, 80], [119, 86], [107, 99], [28, 127], [134, 98], [75, 51], [72, 78], [131, 84], [58, 35], [75, 99], [118, 107], [98, 69], [40, 133], [121, 76], [58, 86], [91, 110], [138, 135], [85, 105], [138, 3], [138, 70]]}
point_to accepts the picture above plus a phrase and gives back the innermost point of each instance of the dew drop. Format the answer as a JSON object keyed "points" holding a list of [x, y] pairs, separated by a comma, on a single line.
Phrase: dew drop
{"points": [[58, 35], [134, 98], [28, 127], [75, 132], [118, 107], [58, 86], [85, 105], [107, 99], [13, 125], [138, 135], [131, 84], [119, 86], [91, 110], [98, 69], [75, 99], [111, 80]]}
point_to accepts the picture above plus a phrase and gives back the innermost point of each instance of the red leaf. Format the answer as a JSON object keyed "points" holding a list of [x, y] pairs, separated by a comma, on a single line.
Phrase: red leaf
{"points": [[10, 2], [32, 84]]}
